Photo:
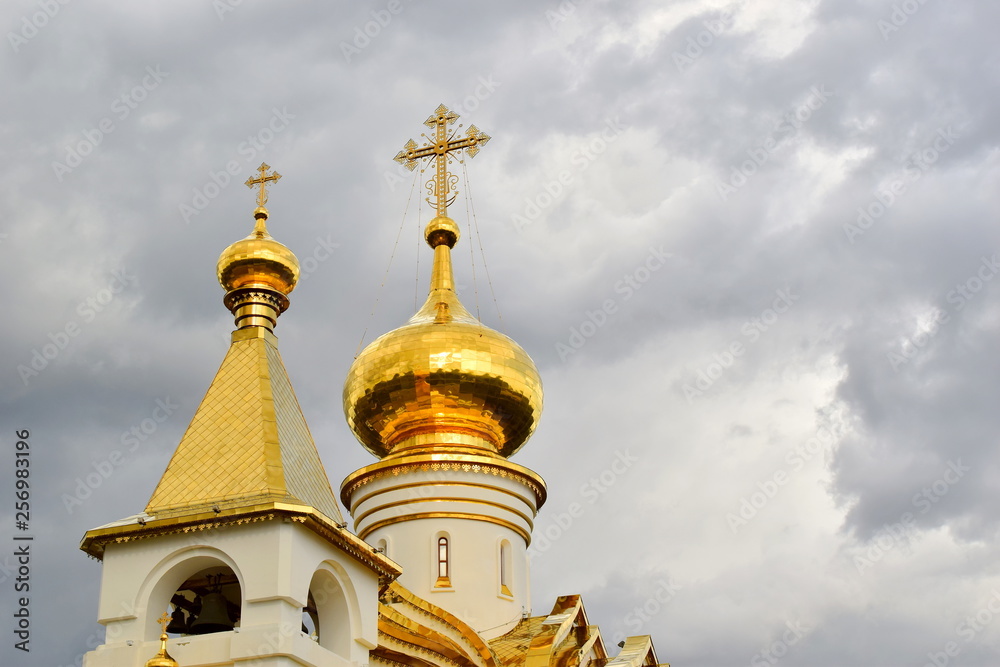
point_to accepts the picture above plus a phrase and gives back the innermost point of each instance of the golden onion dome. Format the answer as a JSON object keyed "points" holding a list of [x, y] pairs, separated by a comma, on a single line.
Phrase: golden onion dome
{"points": [[258, 261], [443, 381], [162, 659]]}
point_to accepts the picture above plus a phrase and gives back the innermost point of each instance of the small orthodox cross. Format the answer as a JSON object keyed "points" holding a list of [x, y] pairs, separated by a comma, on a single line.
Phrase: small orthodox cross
{"points": [[441, 144], [163, 620], [262, 181]]}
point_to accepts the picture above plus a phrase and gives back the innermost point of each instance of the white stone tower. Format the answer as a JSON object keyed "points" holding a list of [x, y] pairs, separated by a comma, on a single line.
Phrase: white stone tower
{"points": [[242, 542]]}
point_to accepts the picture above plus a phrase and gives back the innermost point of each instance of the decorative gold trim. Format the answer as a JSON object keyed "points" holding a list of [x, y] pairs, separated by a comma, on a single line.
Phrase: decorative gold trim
{"points": [[446, 515], [448, 499], [404, 648], [436, 615], [443, 582], [94, 541], [473, 463], [411, 485], [505, 591]]}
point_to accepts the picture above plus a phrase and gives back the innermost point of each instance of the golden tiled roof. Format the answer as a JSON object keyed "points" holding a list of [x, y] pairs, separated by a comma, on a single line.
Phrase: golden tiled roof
{"points": [[512, 648], [565, 638], [248, 442]]}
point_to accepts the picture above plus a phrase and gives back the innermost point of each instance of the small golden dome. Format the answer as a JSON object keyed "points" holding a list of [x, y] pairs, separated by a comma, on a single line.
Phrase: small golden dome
{"points": [[443, 380], [162, 659], [258, 261]]}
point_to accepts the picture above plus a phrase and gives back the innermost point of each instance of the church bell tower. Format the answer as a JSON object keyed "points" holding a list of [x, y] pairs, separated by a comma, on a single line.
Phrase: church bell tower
{"points": [[241, 553]]}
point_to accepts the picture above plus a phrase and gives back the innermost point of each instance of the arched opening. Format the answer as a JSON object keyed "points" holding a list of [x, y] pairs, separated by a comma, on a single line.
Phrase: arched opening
{"points": [[327, 615], [310, 619], [207, 601]]}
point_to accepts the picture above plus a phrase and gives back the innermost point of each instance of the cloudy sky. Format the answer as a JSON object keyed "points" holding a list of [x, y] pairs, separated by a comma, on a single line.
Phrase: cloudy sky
{"points": [[750, 246]]}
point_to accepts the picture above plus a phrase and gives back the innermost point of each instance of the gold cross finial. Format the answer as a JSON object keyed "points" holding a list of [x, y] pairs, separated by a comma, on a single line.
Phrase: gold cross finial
{"points": [[163, 620], [262, 181], [439, 148]]}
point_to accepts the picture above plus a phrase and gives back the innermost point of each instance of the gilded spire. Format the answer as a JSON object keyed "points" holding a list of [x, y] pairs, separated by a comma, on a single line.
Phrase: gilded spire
{"points": [[257, 272], [162, 659], [248, 443], [439, 148], [444, 382]]}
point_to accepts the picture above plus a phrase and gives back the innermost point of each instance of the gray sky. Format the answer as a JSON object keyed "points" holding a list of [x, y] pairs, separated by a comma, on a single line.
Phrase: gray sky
{"points": [[750, 246]]}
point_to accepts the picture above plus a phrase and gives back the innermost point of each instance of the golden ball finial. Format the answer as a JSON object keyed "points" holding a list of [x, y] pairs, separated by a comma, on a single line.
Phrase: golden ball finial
{"points": [[258, 261], [441, 230]]}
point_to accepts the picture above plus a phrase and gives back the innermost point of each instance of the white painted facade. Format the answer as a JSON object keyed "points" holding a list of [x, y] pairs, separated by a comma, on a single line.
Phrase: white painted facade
{"points": [[408, 513], [277, 562]]}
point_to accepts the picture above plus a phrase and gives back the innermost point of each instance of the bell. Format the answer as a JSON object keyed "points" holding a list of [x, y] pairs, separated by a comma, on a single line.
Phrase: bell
{"points": [[214, 616], [178, 622]]}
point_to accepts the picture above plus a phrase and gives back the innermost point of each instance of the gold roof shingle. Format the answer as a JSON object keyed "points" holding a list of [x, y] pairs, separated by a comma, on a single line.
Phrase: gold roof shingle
{"points": [[248, 442]]}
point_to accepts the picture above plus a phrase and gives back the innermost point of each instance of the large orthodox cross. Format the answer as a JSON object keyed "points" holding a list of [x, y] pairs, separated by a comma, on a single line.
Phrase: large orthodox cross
{"points": [[441, 144], [262, 181]]}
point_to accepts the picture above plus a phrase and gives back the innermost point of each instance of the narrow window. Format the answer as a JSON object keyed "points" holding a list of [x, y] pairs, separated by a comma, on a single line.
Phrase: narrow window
{"points": [[505, 568], [444, 562]]}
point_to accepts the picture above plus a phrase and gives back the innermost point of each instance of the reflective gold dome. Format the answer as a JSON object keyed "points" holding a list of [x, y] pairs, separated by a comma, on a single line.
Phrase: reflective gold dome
{"points": [[162, 659], [258, 261], [443, 381]]}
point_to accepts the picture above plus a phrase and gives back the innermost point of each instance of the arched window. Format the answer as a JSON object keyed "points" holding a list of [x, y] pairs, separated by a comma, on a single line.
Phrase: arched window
{"points": [[443, 563], [505, 566]]}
